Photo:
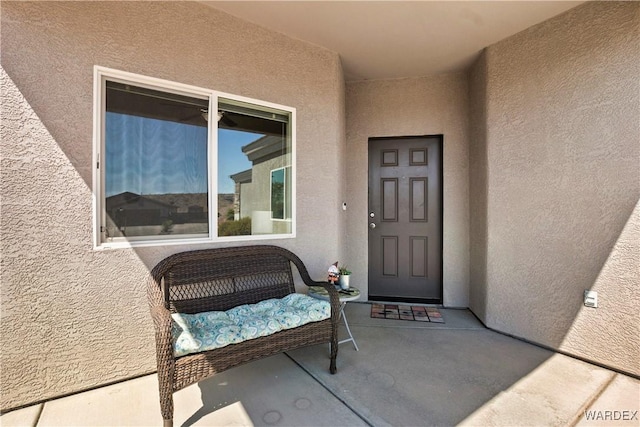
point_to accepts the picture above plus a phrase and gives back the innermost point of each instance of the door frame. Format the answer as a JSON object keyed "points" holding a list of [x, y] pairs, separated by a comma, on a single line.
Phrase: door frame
{"points": [[437, 301]]}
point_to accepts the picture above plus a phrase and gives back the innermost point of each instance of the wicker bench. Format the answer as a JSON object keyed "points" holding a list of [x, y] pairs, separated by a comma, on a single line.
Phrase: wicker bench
{"points": [[217, 280]]}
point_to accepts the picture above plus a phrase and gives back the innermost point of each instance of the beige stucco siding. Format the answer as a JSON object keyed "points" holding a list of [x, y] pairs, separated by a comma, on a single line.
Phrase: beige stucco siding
{"points": [[562, 146], [75, 318], [478, 186], [408, 107], [541, 177]]}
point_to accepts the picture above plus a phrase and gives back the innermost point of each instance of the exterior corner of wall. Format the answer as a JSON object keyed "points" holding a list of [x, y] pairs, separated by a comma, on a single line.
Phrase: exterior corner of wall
{"points": [[562, 107]]}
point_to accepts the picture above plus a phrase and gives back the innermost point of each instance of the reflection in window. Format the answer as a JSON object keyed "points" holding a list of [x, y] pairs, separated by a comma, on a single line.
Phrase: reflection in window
{"points": [[156, 148], [277, 194], [251, 144], [156, 164], [280, 202]]}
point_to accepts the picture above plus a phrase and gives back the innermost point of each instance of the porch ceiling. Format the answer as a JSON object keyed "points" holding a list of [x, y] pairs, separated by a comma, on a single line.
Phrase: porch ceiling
{"points": [[394, 39]]}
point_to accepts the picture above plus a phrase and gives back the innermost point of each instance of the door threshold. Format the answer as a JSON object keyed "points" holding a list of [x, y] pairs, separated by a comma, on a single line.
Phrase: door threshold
{"points": [[433, 301]]}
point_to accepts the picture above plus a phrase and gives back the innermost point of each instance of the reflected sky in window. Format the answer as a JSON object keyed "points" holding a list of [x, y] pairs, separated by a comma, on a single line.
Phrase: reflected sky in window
{"points": [[231, 159], [148, 156]]}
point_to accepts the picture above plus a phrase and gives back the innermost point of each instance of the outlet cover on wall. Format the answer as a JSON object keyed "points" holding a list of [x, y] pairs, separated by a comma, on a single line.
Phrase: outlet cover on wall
{"points": [[590, 298]]}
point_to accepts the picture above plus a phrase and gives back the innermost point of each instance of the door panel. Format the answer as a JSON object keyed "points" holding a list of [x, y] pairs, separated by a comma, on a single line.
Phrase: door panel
{"points": [[389, 198], [405, 219], [390, 256]]}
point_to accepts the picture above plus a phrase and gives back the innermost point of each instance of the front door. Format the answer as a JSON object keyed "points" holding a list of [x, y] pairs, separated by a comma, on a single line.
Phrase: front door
{"points": [[405, 219]]}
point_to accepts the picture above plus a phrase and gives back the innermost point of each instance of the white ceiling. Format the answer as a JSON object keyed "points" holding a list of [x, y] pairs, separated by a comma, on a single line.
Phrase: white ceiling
{"points": [[393, 39]]}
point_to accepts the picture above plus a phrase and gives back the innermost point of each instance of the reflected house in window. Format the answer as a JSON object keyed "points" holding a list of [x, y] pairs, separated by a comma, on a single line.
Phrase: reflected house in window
{"points": [[130, 214], [264, 191]]}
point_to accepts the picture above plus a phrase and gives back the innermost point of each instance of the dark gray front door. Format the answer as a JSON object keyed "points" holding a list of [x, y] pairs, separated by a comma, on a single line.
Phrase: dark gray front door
{"points": [[405, 219]]}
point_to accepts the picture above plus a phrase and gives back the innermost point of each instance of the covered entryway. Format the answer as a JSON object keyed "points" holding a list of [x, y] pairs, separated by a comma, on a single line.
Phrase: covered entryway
{"points": [[405, 219]]}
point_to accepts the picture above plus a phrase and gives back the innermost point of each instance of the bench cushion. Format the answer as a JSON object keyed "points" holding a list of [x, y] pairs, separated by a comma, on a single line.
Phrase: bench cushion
{"points": [[193, 333]]}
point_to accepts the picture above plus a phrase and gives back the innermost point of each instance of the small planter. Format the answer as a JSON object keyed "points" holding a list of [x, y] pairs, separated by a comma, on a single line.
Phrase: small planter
{"points": [[343, 281]]}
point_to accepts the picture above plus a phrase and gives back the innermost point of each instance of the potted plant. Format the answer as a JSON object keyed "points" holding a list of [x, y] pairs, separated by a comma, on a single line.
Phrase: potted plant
{"points": [[343, 280]]}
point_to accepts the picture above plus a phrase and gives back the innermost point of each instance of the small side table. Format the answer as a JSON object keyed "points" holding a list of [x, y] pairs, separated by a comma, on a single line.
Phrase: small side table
{"points": [[354, 293]]}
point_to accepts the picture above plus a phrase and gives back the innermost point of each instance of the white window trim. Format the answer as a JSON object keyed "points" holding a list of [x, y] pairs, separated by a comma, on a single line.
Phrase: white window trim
{"points": [[101, 74]]}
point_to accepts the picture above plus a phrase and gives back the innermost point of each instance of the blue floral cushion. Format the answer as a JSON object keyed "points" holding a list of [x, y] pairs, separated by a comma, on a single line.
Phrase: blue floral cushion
{"points": [[193, 333]]}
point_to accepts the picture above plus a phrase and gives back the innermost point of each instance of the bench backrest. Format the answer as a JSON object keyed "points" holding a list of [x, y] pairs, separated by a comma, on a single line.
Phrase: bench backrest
{"points": [[219, 279]]}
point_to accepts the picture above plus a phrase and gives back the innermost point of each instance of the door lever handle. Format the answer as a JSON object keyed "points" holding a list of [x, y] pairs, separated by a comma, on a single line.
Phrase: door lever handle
{"points": [[372, 225]]}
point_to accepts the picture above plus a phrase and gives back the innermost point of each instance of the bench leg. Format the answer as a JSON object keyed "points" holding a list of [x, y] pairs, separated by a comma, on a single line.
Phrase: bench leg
{"points": [[166, 408], [334, 353], [166, 398]]}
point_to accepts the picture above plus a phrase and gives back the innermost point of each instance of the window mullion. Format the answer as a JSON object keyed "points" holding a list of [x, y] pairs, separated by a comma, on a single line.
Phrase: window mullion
{"points": [[213, 165]]}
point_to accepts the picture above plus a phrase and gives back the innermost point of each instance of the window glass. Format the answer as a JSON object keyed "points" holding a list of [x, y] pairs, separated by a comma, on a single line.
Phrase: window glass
{"points": [[281, 193], [156, 179], [277, 193], [252, 142]]}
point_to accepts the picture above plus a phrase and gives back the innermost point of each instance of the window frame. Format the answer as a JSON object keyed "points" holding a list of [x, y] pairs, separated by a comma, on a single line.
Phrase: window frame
{"points": [[101, 75]]}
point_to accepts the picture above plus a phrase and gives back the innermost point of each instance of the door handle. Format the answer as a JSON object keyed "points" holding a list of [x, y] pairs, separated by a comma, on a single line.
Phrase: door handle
{"points": [[372, 225]]}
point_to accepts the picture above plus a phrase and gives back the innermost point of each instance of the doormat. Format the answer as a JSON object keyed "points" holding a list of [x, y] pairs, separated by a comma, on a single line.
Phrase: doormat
{"points": [[406, 312]]}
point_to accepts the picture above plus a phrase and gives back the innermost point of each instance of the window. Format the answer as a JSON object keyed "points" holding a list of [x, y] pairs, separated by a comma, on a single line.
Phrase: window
{"points": [[280, 205], [179, 164]]}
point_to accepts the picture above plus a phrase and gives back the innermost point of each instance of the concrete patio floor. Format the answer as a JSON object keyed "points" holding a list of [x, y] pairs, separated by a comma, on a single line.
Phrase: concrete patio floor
{"points": [[405, 374]]}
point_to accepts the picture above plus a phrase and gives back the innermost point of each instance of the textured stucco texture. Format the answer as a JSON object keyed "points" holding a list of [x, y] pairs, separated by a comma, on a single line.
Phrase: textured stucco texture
{"points": [[413, 107], [75, 318], [478, 186], [541, 177], [555, 182]]}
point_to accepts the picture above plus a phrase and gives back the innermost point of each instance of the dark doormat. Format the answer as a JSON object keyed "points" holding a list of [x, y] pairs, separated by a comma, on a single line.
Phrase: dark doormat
{"points": [[406, 312]]}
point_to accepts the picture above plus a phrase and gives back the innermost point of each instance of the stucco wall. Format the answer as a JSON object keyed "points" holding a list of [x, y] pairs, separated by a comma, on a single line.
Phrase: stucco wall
{"points": [[403, 107], [478, 186], [562, 107], [74, 318]]}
